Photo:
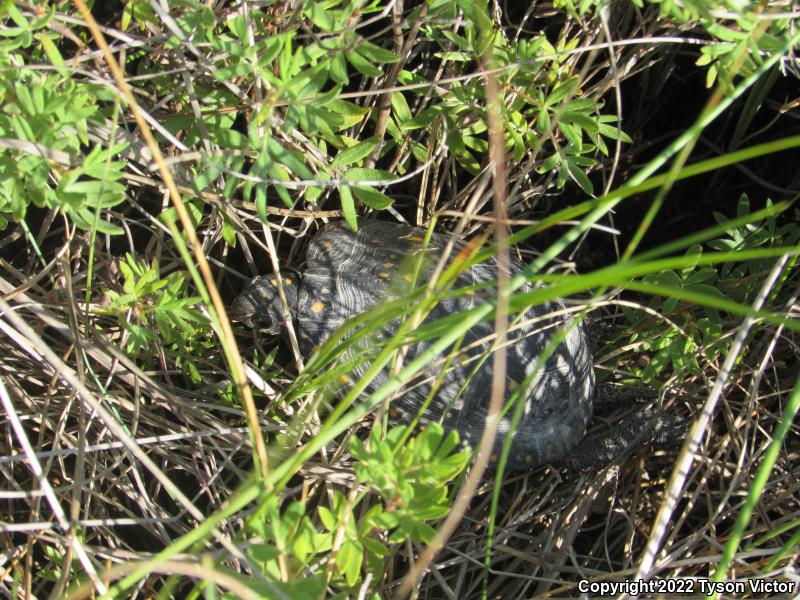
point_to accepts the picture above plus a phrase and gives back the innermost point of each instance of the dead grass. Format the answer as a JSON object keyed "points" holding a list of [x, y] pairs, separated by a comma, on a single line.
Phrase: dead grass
{"points": [[106, 459]]}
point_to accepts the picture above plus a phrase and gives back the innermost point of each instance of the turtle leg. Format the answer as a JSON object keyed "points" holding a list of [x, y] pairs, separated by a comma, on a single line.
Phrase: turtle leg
{"points": [[639, 429], [608, 396]]}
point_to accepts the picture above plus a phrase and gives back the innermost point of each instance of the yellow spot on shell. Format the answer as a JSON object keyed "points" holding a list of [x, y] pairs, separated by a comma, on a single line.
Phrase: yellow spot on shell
{"points": [[407, 277], [529, 459], [388, 264], [344, 379], [327, 244], [317, 307], [415, 238], [394, 413], [493, 458], [383, 275], [288, 280], [273, 281]]}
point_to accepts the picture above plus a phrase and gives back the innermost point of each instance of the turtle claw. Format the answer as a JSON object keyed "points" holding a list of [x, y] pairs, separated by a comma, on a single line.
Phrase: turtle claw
{"points": [[644, 428]]}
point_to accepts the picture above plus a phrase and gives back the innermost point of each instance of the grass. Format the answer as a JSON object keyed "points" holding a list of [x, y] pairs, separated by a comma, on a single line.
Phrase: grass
{"points": [[151, 163]]}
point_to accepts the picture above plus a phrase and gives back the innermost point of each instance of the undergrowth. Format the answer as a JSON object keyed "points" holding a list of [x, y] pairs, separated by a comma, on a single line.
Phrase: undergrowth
{"points": [[149, 452]]}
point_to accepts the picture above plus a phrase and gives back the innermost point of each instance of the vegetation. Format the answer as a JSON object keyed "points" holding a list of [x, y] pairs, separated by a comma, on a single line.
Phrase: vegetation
{"points": [[150, 162]]}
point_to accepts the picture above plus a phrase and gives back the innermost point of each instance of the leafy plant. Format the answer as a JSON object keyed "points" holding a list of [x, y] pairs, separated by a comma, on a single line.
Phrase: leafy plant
{"points": [[676, 351], [279, 106], [542, 110], [304, 78], [156, 310], [766, 233], [44, 124], [410, 477], [742, 33]]}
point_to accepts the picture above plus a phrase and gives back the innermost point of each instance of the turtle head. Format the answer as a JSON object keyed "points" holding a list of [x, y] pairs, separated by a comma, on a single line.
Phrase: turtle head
{"points": [[259, 305]]}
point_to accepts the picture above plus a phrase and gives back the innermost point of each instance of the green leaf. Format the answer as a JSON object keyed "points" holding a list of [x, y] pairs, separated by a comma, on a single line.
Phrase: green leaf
{"points": [[349, 207], [285, 60], [579, 176], [387, 520], [373, 198], [725, 34], [346, 108], [562, 90], [348, 559], [709, 290], [581, 105], [228, 138], [103, 226], [288, 158], [614, 133], [362, 65], [359, 174], [261, 202], [327, 517], [374, 547], [518, 144], [423, 119], [338, 69], [112, 191], [543, 123], [572, 133], [24, 98], [355, 153], [702, 275], [455, 56], [375, 53], [583, 121], [321, 17], [50, 49], [460, 41], [400, 107], [127, 16], [276, 171], [272, 48], [238, 26]]}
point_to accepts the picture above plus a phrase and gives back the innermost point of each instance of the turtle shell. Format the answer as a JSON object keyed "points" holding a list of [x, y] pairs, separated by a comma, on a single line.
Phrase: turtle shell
{"points": [[348, 273]]}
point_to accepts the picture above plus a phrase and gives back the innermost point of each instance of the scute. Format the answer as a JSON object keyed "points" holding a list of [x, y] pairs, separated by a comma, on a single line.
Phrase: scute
{"points": [[342, 278]]}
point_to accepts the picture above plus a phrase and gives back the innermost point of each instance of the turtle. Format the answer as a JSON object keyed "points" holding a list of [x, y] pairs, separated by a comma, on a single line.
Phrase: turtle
{"points": [[349, 272]]}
